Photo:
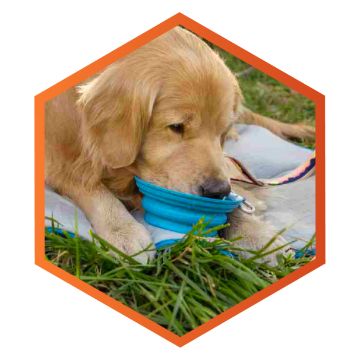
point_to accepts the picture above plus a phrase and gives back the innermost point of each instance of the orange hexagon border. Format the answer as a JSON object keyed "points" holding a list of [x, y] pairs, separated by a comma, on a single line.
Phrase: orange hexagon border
{"points": [[86, 72]]}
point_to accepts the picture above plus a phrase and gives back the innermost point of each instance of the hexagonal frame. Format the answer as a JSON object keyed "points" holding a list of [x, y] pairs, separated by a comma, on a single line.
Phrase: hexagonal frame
{"points": [[86, 72]]}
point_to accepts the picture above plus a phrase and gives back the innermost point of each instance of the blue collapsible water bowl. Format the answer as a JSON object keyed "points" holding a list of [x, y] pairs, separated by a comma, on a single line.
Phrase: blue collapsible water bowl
{"points": [[179, 212]]}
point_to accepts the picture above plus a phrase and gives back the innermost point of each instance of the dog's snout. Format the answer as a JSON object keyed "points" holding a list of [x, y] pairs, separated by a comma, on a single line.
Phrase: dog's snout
{"points": [[215, 188]]}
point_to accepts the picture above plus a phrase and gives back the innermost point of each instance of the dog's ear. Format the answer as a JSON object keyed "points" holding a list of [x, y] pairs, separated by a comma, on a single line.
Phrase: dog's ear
{"points": [[116, 108]]}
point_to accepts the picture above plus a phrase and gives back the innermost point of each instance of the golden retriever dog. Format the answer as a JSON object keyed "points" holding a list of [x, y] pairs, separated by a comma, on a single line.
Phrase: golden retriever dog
{"points": [[161, 113]]}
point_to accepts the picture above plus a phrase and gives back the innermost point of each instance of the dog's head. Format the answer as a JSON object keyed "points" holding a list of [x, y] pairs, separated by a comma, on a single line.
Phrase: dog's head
{"points": [[163, 112]]}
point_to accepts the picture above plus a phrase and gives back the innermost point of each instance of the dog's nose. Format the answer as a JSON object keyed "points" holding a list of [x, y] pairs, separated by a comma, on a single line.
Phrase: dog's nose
{"points": [[215, 188]]}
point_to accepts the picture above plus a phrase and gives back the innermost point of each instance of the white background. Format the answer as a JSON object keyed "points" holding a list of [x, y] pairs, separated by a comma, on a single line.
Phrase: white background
{"points": [[44, 41]]}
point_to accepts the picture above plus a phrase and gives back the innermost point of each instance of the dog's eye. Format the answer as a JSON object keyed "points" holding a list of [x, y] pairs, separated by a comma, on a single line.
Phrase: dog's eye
{"points": [[177, 128]]}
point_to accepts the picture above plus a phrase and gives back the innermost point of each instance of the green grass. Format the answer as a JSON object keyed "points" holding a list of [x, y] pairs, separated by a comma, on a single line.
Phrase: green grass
{"points": [[184, 286]]}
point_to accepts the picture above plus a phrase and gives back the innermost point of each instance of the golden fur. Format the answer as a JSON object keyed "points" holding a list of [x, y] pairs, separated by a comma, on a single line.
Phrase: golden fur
{"points": [[121, 123]]}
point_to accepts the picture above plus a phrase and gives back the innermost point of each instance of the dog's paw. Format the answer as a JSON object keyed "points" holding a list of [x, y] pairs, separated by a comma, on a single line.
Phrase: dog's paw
{"points": [[257, 246], [255, 238], [232, 135], [267, 254], [131, 238]]}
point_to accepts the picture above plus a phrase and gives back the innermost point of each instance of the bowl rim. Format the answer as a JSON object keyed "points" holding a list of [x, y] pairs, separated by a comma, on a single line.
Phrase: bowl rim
{"points": [[141, 184]]}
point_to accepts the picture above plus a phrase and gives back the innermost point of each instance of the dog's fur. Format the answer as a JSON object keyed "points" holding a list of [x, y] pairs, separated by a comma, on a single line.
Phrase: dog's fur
{"points": [[125, 122]]}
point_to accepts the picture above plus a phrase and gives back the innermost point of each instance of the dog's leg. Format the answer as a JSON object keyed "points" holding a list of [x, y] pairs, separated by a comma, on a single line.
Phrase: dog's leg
{"points": [[232, 135], [112, 221], [255, 233], [284, 130]]}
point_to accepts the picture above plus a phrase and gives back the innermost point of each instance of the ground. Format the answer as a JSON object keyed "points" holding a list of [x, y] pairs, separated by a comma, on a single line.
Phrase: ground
{"points": [[194, 281]]}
